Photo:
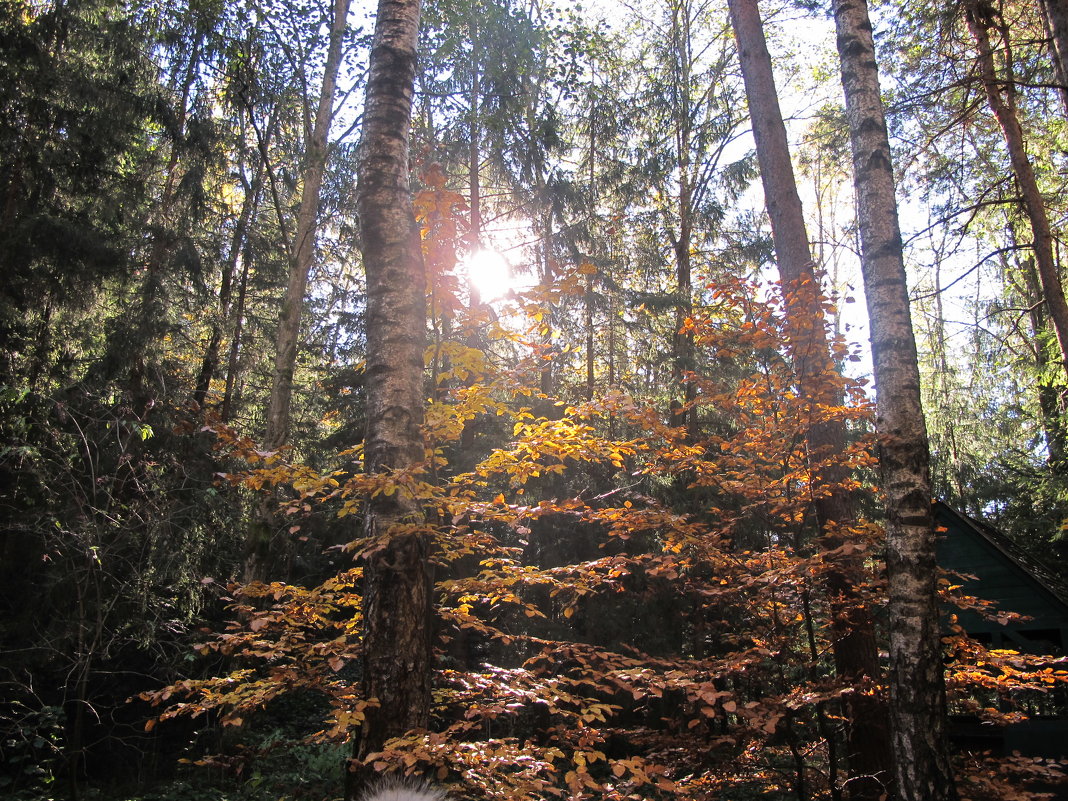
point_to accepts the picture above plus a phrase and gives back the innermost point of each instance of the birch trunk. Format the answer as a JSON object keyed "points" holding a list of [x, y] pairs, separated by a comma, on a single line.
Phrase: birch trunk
{"points": [[855, 653], [397, 604], [917, 687]]}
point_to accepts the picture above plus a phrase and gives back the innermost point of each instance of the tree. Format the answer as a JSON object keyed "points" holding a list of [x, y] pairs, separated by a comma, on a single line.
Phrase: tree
{"points": [[855, 650], [262, 548], [691, 117], [1001, 96], [396, 642], [75, 96], [918, 700], [974, 260], [623, 608], [1055, 18]]}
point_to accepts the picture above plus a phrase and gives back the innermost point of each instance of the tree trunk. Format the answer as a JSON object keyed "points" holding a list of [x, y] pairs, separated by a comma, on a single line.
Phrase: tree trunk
{"points": [[265, 547], [917, 685], [547, 275], [303, 245], [683, 413], [1001, 97], [152, 303], [1055, 17], [590, 295], [397, 602], [474, 153], [855, 652], [474, 235], [1050, 396], [210, 363], [233, 361]]}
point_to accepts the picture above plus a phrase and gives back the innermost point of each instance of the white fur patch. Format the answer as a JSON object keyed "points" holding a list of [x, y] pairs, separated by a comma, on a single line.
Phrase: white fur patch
{"points": [[398, 790]]}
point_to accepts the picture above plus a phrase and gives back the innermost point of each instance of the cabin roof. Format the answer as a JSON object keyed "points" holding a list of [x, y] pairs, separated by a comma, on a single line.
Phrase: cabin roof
{"points": [[1040, 578]]}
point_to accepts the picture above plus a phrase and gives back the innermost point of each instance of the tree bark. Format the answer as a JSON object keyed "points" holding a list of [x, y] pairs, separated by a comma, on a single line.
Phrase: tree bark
{"points": [[397, 603], [474, 153], [1001, 97], [590, 295], [210, 363], [150, 314], [855, 652], [302, 248], [474, 236], [917, 685], [233, 360], [1050, 396], [1055, 17], [265, 547], [683, 413]]}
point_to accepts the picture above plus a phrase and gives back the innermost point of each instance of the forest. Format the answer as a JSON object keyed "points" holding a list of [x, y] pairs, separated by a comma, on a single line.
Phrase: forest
{"points": [[534, 399]]}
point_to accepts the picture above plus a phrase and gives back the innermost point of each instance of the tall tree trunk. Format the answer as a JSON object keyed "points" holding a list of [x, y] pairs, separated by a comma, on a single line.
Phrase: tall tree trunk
{"points": [[474, 235], [855, 652], [150, 313], [547, 276], [917, 683], [210, 363], [397, 603], [264, 547], [590, 295], [1055, 18], [683, 411], [1001, 96], [474, 153], [302, 247], [233, 360], [1050, 395]]}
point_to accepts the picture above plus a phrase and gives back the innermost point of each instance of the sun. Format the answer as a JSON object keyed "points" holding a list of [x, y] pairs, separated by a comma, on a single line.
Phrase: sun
{"points": [[489, 273]]}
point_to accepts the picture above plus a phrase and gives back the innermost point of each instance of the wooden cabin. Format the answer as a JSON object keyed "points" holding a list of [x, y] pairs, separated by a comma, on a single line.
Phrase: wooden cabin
{"points": [[1005, 575]]}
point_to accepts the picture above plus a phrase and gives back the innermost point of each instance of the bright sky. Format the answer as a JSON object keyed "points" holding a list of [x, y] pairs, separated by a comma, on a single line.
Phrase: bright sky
{"points": [[806, 73]]}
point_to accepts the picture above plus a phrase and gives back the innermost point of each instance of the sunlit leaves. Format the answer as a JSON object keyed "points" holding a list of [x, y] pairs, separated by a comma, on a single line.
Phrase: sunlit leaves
{"points": [[552, 679]]}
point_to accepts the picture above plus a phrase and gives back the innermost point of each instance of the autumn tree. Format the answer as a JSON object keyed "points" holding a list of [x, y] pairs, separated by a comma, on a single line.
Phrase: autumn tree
{"points": [[855, 645]]}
